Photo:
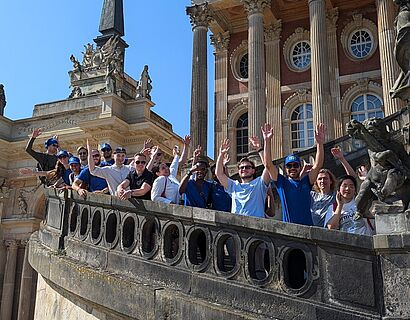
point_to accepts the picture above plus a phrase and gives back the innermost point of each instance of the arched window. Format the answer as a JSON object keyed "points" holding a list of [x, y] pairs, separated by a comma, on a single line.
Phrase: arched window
{"points": [[366, 106], [302, 127], [242, 136]]}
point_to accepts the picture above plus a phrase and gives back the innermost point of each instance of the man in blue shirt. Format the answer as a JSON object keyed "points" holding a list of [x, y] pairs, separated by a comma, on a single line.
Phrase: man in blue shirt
{"points": [[248, 195], [294, 190]]}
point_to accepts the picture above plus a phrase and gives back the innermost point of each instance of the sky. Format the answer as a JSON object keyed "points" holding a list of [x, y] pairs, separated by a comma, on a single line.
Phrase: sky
{"points": [[38, 37]]}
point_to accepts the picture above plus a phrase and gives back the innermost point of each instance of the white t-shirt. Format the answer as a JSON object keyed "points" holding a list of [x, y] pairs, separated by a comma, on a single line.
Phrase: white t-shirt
{"points": [[347, 223], [167, 185]]}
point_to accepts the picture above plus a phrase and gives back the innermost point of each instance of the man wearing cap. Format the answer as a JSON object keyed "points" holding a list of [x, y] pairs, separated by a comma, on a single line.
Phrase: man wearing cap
{"points": [[45, 160], [107, 155], [83, 155], [294, 191], [93, 183], [75, 168], [138, 183], [114, 174]]}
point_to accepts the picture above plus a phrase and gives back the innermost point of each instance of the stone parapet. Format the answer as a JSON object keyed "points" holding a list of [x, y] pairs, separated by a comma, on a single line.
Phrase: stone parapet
{"points": [[142, 260]]}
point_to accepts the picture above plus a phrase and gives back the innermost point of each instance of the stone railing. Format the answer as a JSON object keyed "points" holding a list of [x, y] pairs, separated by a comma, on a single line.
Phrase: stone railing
{"points": [[145, 260]]}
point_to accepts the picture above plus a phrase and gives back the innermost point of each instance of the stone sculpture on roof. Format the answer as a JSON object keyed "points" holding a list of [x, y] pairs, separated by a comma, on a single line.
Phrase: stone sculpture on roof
{"points": [[144, 84], [2, 99]]}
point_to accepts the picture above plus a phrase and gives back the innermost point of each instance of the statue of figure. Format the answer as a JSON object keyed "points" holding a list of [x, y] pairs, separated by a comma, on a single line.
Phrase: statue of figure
{"points": [[401, 88], [75, 93], [2, 100], [389, 175], [76, 63], [144, 84], [22, 204], [110, 71], [88, 55]]}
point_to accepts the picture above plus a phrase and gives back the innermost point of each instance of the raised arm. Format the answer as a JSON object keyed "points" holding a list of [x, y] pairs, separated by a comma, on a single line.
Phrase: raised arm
{"points": [[91, 164], [29, 148], [320, 135], [185, 149], [219, 170], [256, 145], [334, 221], [271, 171], [151, 162], [338, 154]]}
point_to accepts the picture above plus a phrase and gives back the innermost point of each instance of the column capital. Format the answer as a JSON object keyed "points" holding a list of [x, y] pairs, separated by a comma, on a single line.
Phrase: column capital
{"points": [[255, 6], [199, 15], [220, 41], [332, 16], [12, 244], [273, 31]]}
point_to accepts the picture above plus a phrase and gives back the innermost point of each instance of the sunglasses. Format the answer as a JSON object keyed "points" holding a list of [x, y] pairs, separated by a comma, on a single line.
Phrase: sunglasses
{"points": [[82, 153], [60, 157], [96, 156], [292, 165], [245, 167], [55, 145], [140, 162], [105, 150]]}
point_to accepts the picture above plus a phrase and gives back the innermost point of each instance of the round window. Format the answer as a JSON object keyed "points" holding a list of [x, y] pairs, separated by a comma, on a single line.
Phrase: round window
{"points": [[243, 66], [301, 55], [361, 43]]}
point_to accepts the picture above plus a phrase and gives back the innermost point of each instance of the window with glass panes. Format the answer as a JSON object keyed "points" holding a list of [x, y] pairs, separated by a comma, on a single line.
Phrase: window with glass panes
{"points": [[367, 106], [301, 124], [301, 55], [361, 43], [242, 141]]}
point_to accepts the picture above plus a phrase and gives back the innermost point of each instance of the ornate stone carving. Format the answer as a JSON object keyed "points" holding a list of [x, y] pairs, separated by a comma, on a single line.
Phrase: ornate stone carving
{"points": [[4, 190], [220, 41], [11, 243], [255, 6], [331, 18], [272, 32], [75, 93], [22, 203], [100, 57], [199, 15], [76, 63], [144, 86], [2, 99]]}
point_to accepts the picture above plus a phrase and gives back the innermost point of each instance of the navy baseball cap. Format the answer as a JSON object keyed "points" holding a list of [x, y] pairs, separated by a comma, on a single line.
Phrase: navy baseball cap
{"points": [[105, 146], [292, 158], [50, 142], [120, 150], [73, 160], [62, 153]]}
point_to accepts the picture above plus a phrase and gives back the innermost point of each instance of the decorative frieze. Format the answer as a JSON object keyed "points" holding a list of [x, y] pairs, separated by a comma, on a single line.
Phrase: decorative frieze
{"points": [[255, 6]]}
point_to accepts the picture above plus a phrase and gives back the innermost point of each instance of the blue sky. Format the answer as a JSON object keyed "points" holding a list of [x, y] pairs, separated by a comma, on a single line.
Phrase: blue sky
{"points": [[38, 37]]}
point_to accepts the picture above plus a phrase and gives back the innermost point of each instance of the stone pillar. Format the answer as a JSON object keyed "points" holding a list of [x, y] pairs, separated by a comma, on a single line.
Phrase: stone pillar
{"points": [[25, 286], [6, 307], [199, 16], [321, 102], [332, 16], [386, 12], [273, 87], [256, 65], [221, 44]]}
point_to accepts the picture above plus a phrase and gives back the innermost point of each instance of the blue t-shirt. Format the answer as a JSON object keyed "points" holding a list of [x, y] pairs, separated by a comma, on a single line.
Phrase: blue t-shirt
{"points": [[220, 199], [66, 177], [198, 196], [295, 198], [248, 199], [94, 183], [107, 163]]}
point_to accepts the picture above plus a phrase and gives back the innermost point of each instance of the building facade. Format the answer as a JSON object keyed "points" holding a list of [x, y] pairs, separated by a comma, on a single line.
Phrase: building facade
{"points": [[292, 63]]}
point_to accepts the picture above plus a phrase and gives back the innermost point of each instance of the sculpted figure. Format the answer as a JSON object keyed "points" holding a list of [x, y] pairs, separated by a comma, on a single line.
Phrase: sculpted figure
{"points": [[401, 88], [144, 84], [389, 175], [110, 70], [88, 55], [2, 99], [76, 63], [22, 204]]}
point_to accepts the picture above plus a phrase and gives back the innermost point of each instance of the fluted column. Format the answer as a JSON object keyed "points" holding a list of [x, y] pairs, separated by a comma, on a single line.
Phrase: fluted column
{"points": [[6, 307], [25, 286], [199, 16], [332, 16], [221, 44], [322, 109], [273, 87], [386, 12], [256, 65]]}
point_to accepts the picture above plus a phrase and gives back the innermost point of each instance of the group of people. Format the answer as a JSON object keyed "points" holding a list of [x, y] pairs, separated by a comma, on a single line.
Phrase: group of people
{"points": [[309, 194]]}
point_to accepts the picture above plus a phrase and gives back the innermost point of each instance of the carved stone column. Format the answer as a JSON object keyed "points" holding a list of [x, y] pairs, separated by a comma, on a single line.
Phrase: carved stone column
{"points": [[199, 16], [256, 65], [221, 44], [386, 12], [322, 109], [332, 16], [25, 286], [6, 307], [273, 87]]}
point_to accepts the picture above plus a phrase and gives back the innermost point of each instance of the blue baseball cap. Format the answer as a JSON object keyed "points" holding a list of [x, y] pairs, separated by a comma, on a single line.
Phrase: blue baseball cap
{"points": [[105, 146], [50, 142], [292, 158], [73, 160], [62, 153]]}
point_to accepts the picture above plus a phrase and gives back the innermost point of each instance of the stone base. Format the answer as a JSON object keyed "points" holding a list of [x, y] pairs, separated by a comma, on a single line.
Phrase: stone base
{"points": [[390, 220]]}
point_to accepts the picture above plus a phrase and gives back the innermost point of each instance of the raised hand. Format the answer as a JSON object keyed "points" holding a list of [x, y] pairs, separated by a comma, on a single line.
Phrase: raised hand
{"points": [[267, 131], [36, 132], [187, 140], [226, 159], [320, 133], [255, 143], [339, 199], [154, 151], [337, 153], [197, 152], [225, 145], [148, 144], [146, 152], [175, 150]]}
